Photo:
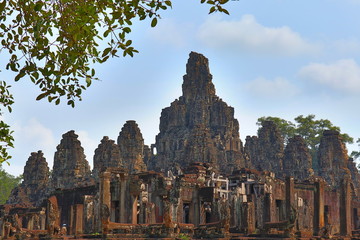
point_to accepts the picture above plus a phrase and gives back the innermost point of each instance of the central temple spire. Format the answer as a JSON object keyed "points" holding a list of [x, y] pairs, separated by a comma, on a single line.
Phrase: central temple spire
{"points": [[199, 126], [197, 81]]}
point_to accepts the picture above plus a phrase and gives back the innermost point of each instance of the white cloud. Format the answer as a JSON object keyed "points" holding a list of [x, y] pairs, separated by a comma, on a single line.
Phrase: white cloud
{"points": [[248, 35], [343, 75], [277, 88], [167, 32], [36, 133]]}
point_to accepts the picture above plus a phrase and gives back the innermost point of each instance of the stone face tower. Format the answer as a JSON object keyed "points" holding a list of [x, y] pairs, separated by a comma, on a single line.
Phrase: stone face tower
{"points": [[266, 151], [199, 126], [36, 179], [106, 155], [71, 169], [131, 145], [297, 159], [333, 158]]}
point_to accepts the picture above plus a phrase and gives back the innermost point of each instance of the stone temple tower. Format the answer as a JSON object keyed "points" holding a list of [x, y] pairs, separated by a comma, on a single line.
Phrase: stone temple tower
{"points": [[71, 169], [199, 126]]}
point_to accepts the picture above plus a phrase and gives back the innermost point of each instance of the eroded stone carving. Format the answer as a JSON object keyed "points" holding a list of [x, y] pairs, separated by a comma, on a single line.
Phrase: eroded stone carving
{"points": [[266, 152], [131, 144], [106, 155], [333, 158], [297, 159], [71, 168], [33, 189], [199, 126]]}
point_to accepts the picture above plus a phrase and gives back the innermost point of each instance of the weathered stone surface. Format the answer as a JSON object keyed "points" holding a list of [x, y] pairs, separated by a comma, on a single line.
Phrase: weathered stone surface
{"points": [[266, 152], [251, 150], [71, 169], [199, 126], [297, 159], [333, 158], [147, 155], [355, 175], [106, 155], [131, 145], [33, 189]]}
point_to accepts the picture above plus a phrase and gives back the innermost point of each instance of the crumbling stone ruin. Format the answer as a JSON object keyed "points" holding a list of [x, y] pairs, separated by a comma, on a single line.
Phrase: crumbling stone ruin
{"points": [[199, 126], [71, 168], [33, 189], [106, 155], [200, 184], [333, 158], [266, 151], [131, 144], [297, 159]]}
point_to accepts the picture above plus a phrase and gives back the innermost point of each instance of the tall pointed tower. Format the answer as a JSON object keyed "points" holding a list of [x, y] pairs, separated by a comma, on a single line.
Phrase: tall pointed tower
{"points": [[199, 126]]}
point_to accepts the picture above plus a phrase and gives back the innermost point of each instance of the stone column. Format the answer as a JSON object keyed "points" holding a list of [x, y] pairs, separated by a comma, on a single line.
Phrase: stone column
{"points": [[105, 198], [195, 208], [134, 210], [345, 208], [290, 207], [122, 200], [249, 212], [79, 210], [318, 206], [1, 225], [289, 197]]}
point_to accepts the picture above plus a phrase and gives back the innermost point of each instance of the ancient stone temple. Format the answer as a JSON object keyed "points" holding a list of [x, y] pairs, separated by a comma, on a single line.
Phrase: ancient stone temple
{"points": [[206, 186], [33, 189], [131, 145], [199, 126], [71, 168], [297, 159], [333, 158], [266, 152], [106, 155]]}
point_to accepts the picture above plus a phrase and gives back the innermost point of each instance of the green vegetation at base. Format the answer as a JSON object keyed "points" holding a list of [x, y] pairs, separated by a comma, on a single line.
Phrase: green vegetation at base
{"points": [[7, 183]]}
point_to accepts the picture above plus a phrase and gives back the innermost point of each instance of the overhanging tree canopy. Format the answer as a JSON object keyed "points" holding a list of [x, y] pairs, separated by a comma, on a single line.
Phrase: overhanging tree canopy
{"points": [[54, 43]]}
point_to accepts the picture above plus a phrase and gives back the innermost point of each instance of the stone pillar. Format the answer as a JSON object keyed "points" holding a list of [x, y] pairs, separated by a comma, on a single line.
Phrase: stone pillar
{"points": [[195, 209], [249, 212], [318, 206], [105, 198], [1, 225], [134, 210], [42, 220], [29, 220], [345, 208], [289, 197], [72, 220], [168, 215], [79, 210], [122, 201]]}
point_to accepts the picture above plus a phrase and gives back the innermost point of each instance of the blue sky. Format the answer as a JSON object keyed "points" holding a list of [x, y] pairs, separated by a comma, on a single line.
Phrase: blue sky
{"points": [[268, 58]]}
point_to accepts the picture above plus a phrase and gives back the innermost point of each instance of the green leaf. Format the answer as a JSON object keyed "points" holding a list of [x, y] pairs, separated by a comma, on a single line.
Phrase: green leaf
{"points": [[128, 43], [170, 4], [88, 81], [106, 51], [212, 9], [225, 11], [41, 96], [2, 6], [154, 22], [38, 6]]}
